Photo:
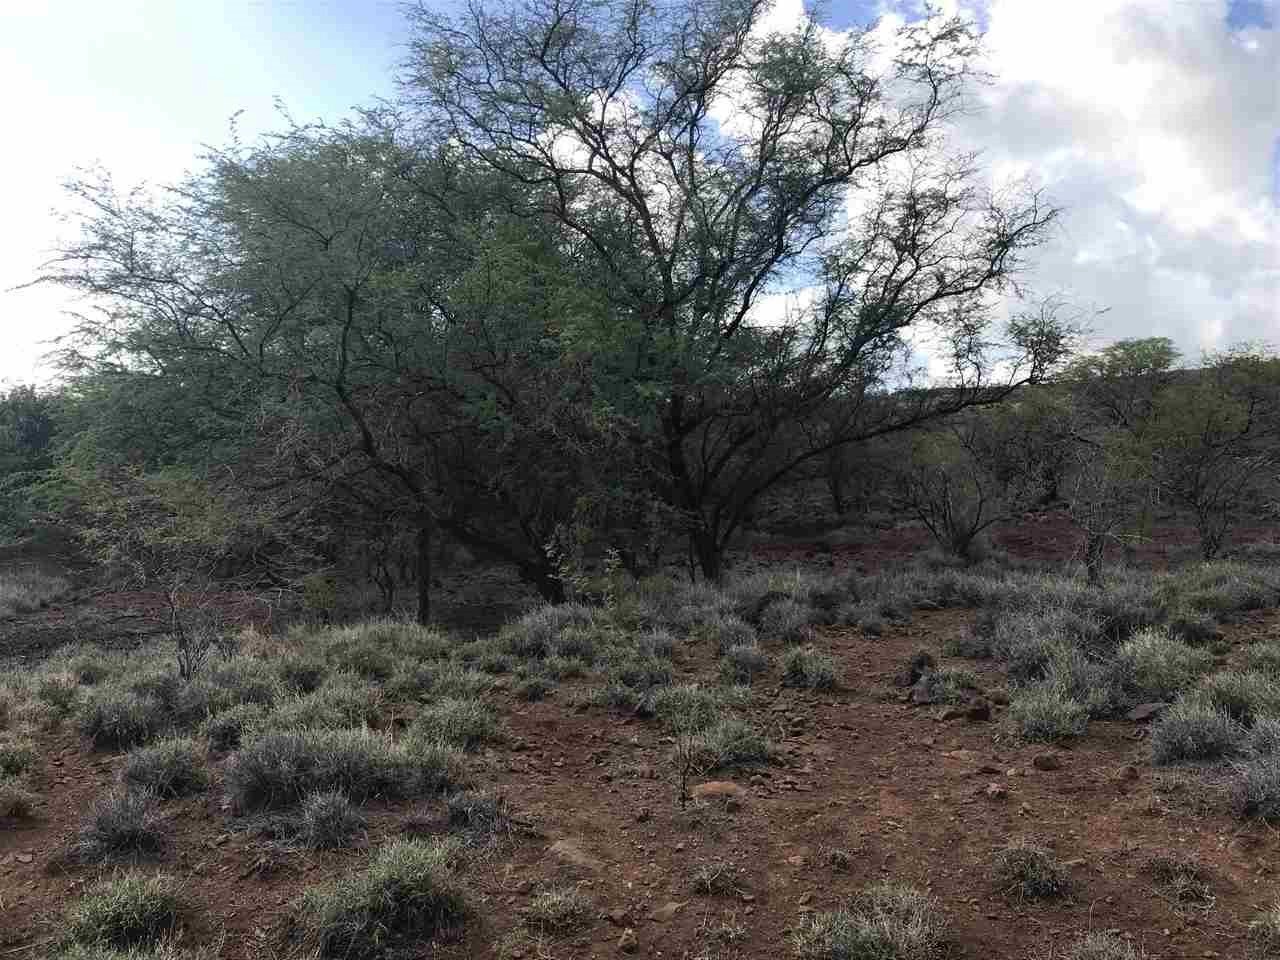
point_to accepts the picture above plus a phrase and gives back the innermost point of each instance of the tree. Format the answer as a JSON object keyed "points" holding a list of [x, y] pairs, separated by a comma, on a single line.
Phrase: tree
{"points": [[697, 167]]}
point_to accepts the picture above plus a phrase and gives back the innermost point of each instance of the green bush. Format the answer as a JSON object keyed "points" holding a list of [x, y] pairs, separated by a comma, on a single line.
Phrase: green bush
{"points": [[688, 706], [280, 768], [886, 922], [810, 669], [168, 769], [125, 911], [241, 680], [1043, 713], [730, 742], [409, 890], [947, 685], [121, 826], [463, 723], [1193, 731], [479, 813], [301, 672], [1264, 658], [1157, 667]]}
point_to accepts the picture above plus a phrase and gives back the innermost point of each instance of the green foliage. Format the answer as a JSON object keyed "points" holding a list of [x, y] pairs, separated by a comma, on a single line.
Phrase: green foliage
{"points": [[327, 820], [809, 668], [16, 757], [409, 890], [559, 910], [1159, 667], [465, 724], [113, 717], [1246, 696], [1255, 788]]}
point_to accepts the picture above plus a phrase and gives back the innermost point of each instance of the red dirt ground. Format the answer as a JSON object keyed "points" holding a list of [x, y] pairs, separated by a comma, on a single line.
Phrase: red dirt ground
{"points": [[903, 792]]}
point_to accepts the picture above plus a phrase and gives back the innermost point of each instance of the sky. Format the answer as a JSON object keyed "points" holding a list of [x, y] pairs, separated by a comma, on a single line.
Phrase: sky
{"points": [[1155, 124]]}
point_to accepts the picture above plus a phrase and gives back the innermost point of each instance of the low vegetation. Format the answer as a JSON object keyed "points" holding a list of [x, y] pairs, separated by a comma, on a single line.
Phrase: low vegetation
{"points": [[886, 922], [129, 910]]}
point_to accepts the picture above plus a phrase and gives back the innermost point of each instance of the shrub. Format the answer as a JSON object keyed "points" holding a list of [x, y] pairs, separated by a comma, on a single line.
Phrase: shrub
{"points": [[1030, 872], [886, 922], [808, 668], [1043, 713], [576, 640], [532, 636], [122, 826], [241, 680], [1157, 667], [281, 768], [1095, 685], [327, 820], [114, 718], [1222, 588], [363, 657], [16, 757], [463, 723], [125, 911], [742, 664], [1244, 696], [788, 620], [344, 700], [727, 632], [168, 769], [1255, 789], [561, 668], [409, 890], [559, 910], [15, 800], [1181, 877], [715, 878], [227, 729], [58, 695], [1102, 945], [637, 671], [1193, 731], [1194, 628]]}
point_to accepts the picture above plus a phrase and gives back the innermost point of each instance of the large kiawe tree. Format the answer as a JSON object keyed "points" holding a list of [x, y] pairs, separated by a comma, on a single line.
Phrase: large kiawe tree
{"points": [[701, 168]]}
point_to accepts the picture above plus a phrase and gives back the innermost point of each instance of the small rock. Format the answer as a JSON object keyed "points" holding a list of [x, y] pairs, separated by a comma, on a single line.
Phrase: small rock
{"points": [[23, 858], [1146, 711], [1046, 761], [1127, 772], [805, 898], [619, 918], [995, 791], [988, 768], [628, 943], [668, 910], [953, 713]]}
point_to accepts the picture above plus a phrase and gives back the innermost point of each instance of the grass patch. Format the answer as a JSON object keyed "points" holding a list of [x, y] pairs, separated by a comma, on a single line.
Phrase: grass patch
{"points": [[227, 730], [465, 724], [27, 590], [409, 890], [886, 922], [125, 911], [1192, 731], [1028, 872], [947, 685], [16, 757], [169, 769], [742, 664], [1264, 934], [810, 669], [115, 718], [1264, 738], [1101, 945], [479, 813], [715, 878], [730, 742], [1246, 696]]}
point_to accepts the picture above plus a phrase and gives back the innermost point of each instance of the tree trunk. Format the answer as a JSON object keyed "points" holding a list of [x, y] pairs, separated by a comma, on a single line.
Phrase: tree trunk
{"points": [[708, 554], [424, 570]]}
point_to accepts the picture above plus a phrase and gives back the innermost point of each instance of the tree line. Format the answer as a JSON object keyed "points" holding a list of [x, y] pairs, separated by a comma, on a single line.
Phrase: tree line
{"points": [[605, 275]]}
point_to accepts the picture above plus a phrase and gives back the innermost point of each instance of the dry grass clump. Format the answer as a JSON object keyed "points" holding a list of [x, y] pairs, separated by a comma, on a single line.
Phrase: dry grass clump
{"points": [[410, 889], [1043, 713], [1264, 934], [1193, 731], [1028, 872], [123, 826], [1182, 878], [168, 769], [808, 668], [1101, 945], [16, 801], [559, 910], [885, 922], [126, 911], [1157, 667], [465, 724], [28, 589]]}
